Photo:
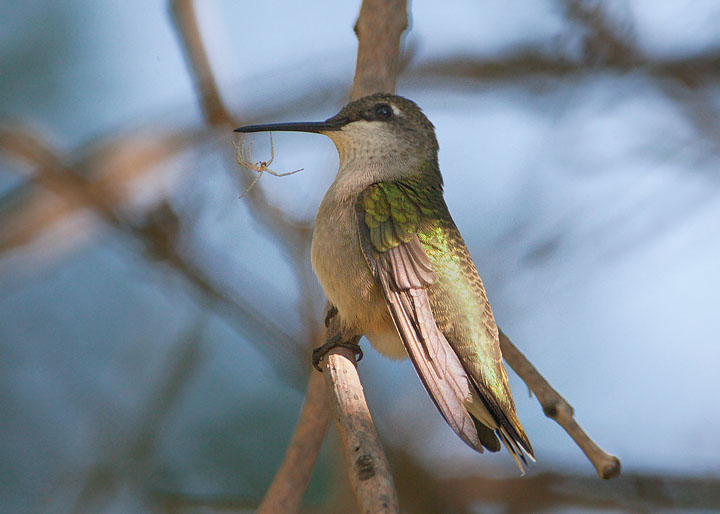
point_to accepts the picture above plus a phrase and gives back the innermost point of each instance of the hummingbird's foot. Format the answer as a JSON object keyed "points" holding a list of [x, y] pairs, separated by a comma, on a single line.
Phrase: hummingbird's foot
{"points": [[331, 313], [320, 352]]}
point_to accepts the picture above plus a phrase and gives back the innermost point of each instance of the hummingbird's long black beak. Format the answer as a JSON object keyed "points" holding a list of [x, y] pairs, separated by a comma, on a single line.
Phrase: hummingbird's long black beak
{"points": [[302, 126]]}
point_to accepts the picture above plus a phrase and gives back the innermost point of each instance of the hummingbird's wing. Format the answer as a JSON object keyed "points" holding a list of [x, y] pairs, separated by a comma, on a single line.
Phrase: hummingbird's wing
{"points": [[393, 219]]}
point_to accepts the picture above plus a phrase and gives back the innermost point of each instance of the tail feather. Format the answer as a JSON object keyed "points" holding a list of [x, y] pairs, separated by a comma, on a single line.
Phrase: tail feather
{"points": [[516, 449], [486, 435], [493, 423]]}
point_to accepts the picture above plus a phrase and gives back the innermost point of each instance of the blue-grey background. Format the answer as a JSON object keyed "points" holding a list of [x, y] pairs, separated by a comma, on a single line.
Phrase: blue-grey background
{"points": [[582, 176]]}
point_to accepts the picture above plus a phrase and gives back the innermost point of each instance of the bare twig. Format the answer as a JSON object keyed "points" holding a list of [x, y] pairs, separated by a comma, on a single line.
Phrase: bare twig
{"points": [[606, 40], [556, 407], [110, 167], [379, 28], [527, 63], [205, 85], [369, 470]]}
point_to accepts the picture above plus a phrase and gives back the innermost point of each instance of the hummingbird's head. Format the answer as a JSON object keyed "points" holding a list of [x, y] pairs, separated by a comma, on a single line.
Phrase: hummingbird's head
{"points": [[383, 127], [380, 130]]}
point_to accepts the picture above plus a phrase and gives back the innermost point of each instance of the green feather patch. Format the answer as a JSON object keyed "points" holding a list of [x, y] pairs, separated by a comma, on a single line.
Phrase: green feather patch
{"points": [[390, 215]]}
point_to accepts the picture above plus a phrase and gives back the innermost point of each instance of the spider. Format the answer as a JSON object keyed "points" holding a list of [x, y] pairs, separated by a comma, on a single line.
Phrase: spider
{"points": [[260, 166]]}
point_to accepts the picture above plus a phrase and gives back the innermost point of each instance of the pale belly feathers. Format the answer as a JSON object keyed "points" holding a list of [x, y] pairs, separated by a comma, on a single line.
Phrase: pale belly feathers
{"points": [[346, 278]]}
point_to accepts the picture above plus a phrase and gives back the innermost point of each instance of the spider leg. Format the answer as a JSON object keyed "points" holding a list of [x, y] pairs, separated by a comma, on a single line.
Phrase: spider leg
{"points": [[249, 151], [272, 151], [238, 153], [252, 184], [276, 174]]}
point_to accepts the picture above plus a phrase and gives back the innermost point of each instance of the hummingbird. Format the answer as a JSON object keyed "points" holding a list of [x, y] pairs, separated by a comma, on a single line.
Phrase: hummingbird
{"points": [[395, 268]]}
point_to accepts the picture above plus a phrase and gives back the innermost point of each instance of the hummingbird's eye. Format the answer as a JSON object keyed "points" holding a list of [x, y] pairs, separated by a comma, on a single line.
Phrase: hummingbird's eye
{"points": [[383, 111]]}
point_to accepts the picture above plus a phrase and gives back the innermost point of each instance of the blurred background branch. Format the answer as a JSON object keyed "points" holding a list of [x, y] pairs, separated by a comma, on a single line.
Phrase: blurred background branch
{"points": [[157, 233], [207, 90]]}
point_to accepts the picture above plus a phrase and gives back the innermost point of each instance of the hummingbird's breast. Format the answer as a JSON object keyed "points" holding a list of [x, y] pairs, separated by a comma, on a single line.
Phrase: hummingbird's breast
{"points": [[345, 276]]}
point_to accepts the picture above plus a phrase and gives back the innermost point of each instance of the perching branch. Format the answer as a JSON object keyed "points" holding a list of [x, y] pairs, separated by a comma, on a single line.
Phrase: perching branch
{"points": [[379, 27], [368, 466], [556, 407]]}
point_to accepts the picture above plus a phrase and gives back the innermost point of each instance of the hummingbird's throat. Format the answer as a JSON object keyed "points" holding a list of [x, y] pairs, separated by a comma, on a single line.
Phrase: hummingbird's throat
{"points": [[373, 151]]}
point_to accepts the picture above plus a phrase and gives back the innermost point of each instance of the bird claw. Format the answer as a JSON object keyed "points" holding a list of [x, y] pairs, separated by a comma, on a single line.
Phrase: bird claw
{"points": [[331, 313], [320, 352]]}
